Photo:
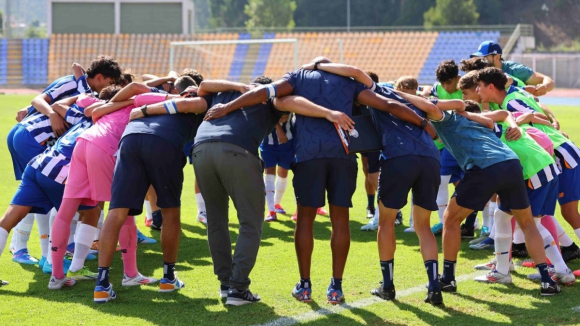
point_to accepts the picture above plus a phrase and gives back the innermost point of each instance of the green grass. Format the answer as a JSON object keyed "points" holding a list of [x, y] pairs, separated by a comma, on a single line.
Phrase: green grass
{"points": [[27, 299]]}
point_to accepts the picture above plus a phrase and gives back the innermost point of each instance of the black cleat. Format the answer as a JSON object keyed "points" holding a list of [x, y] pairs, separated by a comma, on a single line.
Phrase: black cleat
{"points": [[570, 253], [519, 250], [448, 287], [467, 232], [549, 289], [435, 298], [399, 218], [385, 294]]}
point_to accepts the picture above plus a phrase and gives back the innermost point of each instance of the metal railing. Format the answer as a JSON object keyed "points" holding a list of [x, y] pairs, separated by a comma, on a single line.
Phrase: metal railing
{"points": [[519, 31], [564, 69]]}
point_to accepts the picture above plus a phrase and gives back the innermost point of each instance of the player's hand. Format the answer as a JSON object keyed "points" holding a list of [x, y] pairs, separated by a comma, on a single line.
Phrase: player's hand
{"points": [[191, 89], [59, 126], [21, 114], [431, 130], [340, 118], [530, 89], [308, 66], [136, 114], [244, 88], [541, 90], [513, 134], [556, 125], [217, 111], [282, 138]]}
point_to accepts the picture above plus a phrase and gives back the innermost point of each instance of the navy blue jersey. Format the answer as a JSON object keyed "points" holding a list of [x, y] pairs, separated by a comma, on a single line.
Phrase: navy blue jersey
{"points": [[317, 137], [398, 137]]}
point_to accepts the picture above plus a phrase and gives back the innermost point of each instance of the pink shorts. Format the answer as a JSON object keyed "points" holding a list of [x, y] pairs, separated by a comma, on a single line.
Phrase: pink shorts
{"points": [[90, 175]]}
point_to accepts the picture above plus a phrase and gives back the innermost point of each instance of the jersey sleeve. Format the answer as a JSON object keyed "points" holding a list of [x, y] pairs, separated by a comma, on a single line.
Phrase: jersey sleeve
{"points": [[291, 78], [434, 90], [517, 105], [85, 101], [82, 86], [518, 70], [60, 88], [75, 114], [359, 88], [148, 98]]}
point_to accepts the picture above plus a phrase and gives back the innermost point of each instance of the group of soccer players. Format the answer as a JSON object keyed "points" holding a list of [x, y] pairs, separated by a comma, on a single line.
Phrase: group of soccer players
{"points": [[96, 136]]}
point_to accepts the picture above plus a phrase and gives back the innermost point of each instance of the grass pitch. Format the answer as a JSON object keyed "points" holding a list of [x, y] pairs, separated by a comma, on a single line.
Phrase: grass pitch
{"points": [[28, 301]]}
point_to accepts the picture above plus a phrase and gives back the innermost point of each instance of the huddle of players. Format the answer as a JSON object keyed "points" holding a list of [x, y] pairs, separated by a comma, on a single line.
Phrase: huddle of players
{"points": [[240, 119]]}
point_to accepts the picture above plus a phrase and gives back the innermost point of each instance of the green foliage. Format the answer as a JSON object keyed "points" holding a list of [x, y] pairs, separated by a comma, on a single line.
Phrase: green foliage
{"points": [[227, 13], [451, 12], [1, 22], [270, 13], [35, 30]]}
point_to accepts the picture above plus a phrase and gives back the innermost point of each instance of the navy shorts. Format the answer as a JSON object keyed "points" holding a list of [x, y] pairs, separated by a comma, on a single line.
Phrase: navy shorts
{"points": [[280, 156], [449, 166], [335, 176], [144, 160], [402, 174], [505, 178], [187, 151], [23, 148], [40, 192], [373, 164], [569, 185]]}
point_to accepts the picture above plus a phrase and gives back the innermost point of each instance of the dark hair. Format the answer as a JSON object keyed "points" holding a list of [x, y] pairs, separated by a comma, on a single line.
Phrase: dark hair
{"points": [[262, 80], [126, 78], [183, 83], [108, 92], [194, 74], [374, 76], [468, 81], [446, 71], [406, 82], [476, 63], [106, 66], [493, 76], [472, 106]]}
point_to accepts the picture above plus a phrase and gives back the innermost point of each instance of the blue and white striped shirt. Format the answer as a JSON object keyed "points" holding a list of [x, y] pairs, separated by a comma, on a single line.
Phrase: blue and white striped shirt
{"points": [[272, 138]]}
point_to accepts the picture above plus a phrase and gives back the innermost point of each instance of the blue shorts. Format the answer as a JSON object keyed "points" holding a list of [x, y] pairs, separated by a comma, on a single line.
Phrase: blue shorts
{"points": [[569, 185], [373, 161], [335, 176], [144, 160], [402, 174], [40, 192], [449, 166], [543, 199], [23, 148], [282, 157], [187, 151]]}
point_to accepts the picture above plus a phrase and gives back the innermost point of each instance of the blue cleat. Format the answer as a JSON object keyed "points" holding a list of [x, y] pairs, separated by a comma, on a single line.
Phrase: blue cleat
{"points": [[103, 295], [303, 294], [334, 296], [437, 229], [488, 243], [141, 238], [47, 268], [22, 257], [41, 262]]}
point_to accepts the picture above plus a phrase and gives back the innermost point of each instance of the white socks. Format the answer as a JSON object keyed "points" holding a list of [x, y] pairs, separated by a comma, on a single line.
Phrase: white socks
{"points": [[518, 234], [485, 215], [442, 196], [73, 228], [3, 239], [21, 233], [200, 203], [270, 190], [50, 224], [564, 238], [503, 240], [281, 184], [492, 210], [43, 224], [83, 241], [552, 251], [148, 211]]}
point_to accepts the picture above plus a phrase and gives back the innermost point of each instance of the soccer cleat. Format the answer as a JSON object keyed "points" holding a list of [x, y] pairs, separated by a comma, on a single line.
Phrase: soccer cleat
{"points": [[321, 211], [482, 237], [2, 283], [490, 266], [137, 280], [334, 296], [529, 263], [141, 238], [448, 287], [148, 222], [385, 294], [22, 257], [41, 262], [486, 244], [103, 295], [434, 297], [370, 212], [494, 277], [271, 217], [566, 278], [409, 230], [372, 225], [437, 229], [47, 268], [56, 284], [302, 294], [240, 298], [279, 209], [549, 289], [294, 217], [484, 230], [202, 217], [166, 285], [570, 253], [519, 250], [224, 289], [399, 218], [467, 232], [538, 276], [82, 274]]}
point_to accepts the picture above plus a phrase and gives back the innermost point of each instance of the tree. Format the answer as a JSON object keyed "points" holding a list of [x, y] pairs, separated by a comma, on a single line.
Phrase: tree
{"points": [[1, 22], [227, 13], [270, 13], [451, 12]]}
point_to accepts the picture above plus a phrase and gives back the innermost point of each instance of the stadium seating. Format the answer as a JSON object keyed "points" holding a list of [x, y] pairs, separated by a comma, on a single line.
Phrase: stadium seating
{"points": [[389, 54], [3, 61], [34, 61]]}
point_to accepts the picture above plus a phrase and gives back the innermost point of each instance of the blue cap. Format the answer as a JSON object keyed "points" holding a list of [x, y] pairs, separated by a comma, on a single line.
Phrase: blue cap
{"points": [[487, 48]]}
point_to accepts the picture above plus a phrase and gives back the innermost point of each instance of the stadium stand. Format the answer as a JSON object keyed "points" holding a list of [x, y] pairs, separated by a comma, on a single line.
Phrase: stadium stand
{"points": [[3, 61], [34, 61], [452, 45]]}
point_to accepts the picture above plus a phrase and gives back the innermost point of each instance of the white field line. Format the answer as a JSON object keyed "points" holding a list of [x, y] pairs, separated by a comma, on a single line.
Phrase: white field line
{"points": [[309, 316]]}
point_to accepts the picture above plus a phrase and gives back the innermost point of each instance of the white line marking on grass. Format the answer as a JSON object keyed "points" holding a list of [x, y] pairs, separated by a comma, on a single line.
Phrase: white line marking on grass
{"points": [[576, 309], [309, 316]]}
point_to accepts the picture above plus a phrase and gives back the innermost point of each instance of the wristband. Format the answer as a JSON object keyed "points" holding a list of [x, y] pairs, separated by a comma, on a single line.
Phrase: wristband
{"points": [[170, 107], [272, 91], [144, 111], [316, 65], [424, 123]]}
